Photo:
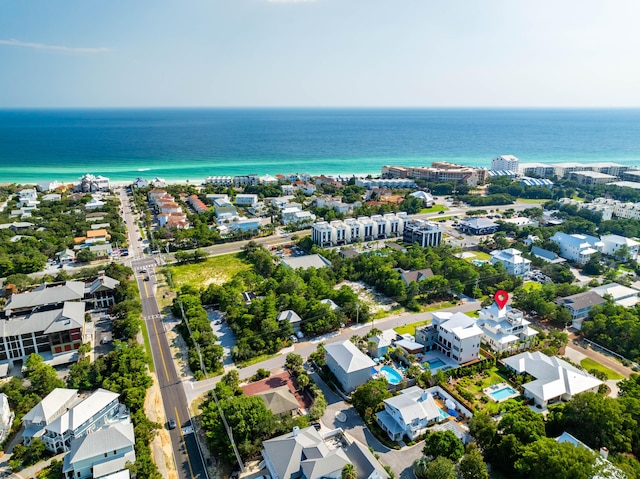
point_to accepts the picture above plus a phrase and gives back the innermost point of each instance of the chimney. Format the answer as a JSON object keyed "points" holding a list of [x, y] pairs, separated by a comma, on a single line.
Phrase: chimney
{"points": [[296, 431], [604, 452]]}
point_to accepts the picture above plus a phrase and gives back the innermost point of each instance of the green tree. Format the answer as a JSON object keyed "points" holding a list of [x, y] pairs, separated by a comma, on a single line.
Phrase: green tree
{"points": [[550, 459], [439, 468], [368, 398], [443, 444], [293, 362], [42, 377], [483, 428], [472, 465], [349, 472]]}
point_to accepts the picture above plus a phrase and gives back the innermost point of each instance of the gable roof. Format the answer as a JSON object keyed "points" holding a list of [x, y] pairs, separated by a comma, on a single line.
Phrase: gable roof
{"points": [[47, 294], [70, 316], [546, 255], [83, 411], [348, 357], [44, 411], [101, 283], [106, 439], [414, 403], [462, 326]]}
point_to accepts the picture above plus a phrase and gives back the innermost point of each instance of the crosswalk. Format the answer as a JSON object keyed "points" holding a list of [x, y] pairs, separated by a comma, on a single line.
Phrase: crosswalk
{"points": [[152, 317]]}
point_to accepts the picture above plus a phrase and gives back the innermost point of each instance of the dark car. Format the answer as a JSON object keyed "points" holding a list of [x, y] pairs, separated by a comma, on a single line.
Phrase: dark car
{"points": [[172, 423], [146, 278]]}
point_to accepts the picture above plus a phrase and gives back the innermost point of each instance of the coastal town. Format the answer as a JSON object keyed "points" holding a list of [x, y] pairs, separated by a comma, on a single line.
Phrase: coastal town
{"points": [[479, 322]]}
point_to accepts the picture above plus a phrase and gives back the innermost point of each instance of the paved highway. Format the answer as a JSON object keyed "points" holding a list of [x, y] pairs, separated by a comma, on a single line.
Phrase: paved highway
{"points": [[186, 452]]}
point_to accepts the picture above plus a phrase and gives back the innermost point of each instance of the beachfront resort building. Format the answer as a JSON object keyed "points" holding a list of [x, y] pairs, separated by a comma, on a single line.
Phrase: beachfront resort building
{"points": [[505, 163], [505, 329], [350, 366], [438, 171], [90, 183], [555, 380], [512, 261], [455, 335]]}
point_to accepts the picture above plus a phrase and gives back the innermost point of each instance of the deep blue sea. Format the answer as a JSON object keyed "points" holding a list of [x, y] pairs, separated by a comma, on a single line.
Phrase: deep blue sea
{"points": [[180, 144]]}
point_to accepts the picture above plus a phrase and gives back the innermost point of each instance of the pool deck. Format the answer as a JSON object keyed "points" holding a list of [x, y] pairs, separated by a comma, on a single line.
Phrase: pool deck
{"points": [[496, 387]]}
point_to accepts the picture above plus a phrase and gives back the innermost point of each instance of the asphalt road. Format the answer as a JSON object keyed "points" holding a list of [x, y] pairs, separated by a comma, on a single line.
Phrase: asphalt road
{"points": [[186, 452]]}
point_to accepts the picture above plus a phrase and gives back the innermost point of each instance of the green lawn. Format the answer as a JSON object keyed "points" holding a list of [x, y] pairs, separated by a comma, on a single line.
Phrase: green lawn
{"points": [[531, 200], [217, 269], [410, 328], [434, 209], [438, 306], [589, 363], [577, 198], [256, 360], [479, 255]]}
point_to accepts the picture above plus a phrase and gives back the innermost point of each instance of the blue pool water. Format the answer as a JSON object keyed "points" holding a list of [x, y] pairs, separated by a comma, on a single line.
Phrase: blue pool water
{"points": [[503, 393], [443, 415], [393, 376], [435, 363]]}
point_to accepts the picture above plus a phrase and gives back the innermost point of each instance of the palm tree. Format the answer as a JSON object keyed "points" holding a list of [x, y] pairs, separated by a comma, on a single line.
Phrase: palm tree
{"points": [[349, 472]]}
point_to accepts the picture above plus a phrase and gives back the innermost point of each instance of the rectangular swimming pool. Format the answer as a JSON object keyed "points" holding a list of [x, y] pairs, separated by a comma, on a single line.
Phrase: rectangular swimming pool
{"points": [[503, 393], [436, 363]]}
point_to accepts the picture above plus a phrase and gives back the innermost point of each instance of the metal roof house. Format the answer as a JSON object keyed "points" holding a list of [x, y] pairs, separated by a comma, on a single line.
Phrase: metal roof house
{"points": [[350, 366]]}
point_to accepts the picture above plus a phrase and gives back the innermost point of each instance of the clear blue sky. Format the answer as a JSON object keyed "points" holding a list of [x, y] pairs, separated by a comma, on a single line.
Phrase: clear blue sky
{"points": [[406, 53]]}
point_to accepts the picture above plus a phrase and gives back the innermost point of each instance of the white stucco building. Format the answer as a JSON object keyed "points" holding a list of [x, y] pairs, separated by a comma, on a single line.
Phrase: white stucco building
{"points": [[505, 329], [351, 367], [455, 335]]}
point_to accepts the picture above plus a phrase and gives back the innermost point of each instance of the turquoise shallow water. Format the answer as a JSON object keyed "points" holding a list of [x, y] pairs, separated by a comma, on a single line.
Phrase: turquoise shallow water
{"points": [[180, 144]]}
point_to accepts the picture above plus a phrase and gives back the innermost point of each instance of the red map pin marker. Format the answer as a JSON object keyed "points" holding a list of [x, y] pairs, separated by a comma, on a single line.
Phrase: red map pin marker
{"points": [[501, 298]]}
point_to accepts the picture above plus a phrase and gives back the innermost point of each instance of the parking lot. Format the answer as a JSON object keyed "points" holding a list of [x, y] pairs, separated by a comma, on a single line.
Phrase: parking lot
{"points": [[103, 335]]}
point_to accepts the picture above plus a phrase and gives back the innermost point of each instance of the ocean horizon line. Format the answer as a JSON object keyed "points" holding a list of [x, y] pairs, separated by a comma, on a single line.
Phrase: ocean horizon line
{"points": [[324, 107]]}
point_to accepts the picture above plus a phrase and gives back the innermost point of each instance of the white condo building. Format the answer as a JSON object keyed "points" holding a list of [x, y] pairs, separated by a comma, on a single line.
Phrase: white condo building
{"points": [[338, 232], [576, 247], [505, 163]]}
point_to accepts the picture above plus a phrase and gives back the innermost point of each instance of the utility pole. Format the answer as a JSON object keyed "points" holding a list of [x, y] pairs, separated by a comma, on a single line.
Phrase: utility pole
{"points": [[357, 313]]}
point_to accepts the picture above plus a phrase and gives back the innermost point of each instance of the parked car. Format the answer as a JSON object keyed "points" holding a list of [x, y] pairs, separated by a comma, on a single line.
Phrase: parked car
{"points": [[171, 424]]}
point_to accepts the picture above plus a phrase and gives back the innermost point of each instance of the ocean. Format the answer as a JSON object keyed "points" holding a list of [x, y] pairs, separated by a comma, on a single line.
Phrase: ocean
{"points": [[181, 144]]}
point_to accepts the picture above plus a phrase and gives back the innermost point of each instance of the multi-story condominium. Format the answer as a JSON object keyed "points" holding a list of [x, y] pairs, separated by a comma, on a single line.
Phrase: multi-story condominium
{"points": [[295, 215], [512, 261], [576, 247], [394, 183], [541, 170], [197, 204], [438, 171], [337, 233], [455, 335], [621, 209], [219, 180], [604, 206], [505, 163], [592, 177], [425, 233], [505, 329], [246, 200], [246, 180]]}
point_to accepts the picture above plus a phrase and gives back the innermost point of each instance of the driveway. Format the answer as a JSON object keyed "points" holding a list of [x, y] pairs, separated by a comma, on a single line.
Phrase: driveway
{"points": [[341, 414]]}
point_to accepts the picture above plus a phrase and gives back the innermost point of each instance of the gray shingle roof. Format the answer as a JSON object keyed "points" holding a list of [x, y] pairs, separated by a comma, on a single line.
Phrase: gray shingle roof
{"points": [[46, 294]]}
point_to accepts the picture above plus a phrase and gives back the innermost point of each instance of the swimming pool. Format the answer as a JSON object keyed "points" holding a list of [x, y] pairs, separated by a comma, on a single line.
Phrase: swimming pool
{"points": [[393, 376], [503, 393], [435, 363], [442, 414]]}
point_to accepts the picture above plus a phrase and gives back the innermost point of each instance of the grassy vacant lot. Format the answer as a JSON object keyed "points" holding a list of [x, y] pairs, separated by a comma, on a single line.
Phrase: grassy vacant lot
{"points": [[410, 328], [434, 209], [531, 200], [589, 363], [478, 255], [218, 270]]}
